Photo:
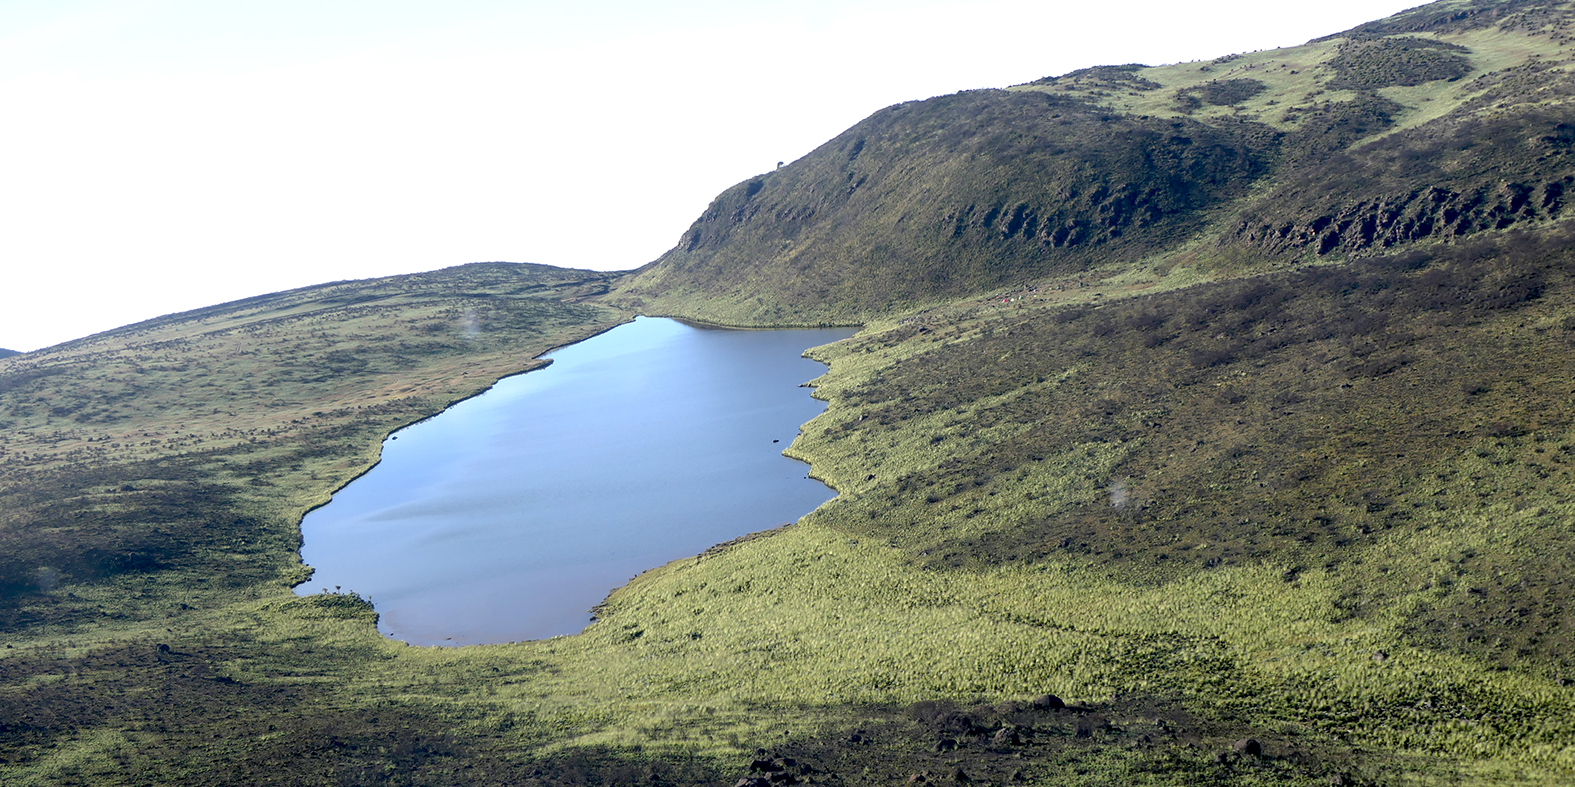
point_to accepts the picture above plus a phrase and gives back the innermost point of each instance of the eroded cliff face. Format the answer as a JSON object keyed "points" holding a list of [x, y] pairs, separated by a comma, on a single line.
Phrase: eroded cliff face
{"points": [[1452, 178], [1434, 212]]}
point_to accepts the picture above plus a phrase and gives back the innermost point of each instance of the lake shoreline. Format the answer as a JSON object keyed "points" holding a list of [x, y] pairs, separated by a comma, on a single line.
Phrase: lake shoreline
{"points": [[538, 363], [512, 517]]}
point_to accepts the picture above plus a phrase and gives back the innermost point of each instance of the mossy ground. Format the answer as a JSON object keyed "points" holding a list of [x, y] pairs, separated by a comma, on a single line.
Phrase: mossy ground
{"points": [[1320, 508]]}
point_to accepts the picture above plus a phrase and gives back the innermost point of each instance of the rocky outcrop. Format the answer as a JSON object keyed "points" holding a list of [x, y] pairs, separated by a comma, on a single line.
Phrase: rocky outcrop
{"points": [[1415, 215]]}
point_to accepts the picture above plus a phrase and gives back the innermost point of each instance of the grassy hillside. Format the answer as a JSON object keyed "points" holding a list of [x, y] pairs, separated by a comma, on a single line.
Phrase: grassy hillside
{"points": [[153, 479], [122, 448], [948, 197], [1447, 121], [1210, 424]]}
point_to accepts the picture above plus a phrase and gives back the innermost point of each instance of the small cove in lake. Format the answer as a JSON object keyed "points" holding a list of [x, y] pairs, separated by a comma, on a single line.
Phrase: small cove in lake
{"points": [[511, 514]]}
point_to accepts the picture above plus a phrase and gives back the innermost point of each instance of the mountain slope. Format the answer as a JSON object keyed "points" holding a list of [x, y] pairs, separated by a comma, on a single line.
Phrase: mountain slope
{"points": [[1443, 122], [951, 196]]}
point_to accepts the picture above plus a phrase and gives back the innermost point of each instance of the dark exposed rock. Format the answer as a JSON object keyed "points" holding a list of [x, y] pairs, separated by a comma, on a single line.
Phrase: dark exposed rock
{"points": [[1398, 219], [1048, 701], [1249, 747], [1091, 724]]}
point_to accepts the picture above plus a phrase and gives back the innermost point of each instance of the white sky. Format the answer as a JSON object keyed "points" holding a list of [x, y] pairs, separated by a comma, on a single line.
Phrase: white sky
{"points": [[162, 155]]}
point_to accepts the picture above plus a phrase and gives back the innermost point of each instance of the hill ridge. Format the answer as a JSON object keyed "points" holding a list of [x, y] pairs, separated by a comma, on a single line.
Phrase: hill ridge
{"points": [[1408, 130]]}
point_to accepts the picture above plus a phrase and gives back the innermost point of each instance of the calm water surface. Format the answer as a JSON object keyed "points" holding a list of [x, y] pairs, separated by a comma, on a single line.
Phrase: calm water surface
{"points": [[510, 515]]}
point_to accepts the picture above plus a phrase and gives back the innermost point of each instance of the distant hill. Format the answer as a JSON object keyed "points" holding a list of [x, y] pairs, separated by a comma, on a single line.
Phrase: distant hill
{"points": [[953, 195], [1440, 123], [4, 353]]}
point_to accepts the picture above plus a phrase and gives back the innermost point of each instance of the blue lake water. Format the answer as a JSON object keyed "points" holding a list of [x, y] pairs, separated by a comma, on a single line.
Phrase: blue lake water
{"points": [[510, 515]]}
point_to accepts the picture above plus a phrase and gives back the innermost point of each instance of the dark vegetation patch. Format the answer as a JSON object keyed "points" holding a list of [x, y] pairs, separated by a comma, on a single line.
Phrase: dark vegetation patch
{"points": [[1369, 64], [1293, 418], [1110, 77], [1218, 93], [1461, 17], [1131, 739], [1327, 129], [80, 526], [188, 721], [189, 718], [84, 524]]}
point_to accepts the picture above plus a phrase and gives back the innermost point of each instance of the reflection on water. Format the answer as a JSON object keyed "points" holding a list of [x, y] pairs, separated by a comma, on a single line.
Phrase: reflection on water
{"points": [[511, 514]]}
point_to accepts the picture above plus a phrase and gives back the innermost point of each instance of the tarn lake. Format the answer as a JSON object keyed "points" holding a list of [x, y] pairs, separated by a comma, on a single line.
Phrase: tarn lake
{"points": [[510, 515]]}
